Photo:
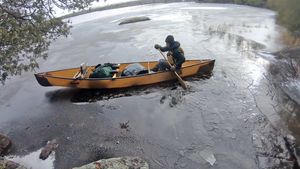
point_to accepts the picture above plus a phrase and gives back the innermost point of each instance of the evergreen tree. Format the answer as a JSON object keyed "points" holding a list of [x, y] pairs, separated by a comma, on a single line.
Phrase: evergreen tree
{"points": [[26, 29]]}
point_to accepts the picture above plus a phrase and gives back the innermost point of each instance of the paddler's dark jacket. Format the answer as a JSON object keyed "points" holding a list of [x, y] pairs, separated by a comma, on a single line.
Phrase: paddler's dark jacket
{"points": [[176, 52]]}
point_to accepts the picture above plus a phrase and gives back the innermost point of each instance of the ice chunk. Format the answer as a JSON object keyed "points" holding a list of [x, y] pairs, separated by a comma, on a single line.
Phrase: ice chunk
{"points": [[208, 155]]}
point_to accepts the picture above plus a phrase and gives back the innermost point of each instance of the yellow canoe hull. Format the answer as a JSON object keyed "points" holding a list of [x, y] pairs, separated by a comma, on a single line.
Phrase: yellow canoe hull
{"points": [[66, 77]]}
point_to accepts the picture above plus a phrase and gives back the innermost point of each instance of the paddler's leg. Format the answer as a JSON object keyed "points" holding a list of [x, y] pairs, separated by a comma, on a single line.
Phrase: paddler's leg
{"points": [[179, 63]]}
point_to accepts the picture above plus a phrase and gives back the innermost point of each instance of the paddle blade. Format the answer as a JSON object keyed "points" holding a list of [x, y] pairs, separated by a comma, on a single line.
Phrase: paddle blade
{"points": [[182, 83]]}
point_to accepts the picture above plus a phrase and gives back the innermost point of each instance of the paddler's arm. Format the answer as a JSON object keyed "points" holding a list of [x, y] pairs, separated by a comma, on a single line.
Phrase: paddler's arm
{"points": [[163, 49]]}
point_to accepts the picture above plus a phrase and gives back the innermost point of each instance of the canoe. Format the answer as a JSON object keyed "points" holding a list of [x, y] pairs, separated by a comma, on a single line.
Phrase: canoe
{"points": [[75, 78]]}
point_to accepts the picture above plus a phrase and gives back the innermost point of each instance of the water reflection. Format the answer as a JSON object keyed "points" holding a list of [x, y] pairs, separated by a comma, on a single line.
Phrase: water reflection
{"points": [[233, 40]]}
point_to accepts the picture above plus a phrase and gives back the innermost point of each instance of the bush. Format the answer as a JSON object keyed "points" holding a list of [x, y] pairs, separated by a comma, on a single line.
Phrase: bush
{"points": [[288, 14]]}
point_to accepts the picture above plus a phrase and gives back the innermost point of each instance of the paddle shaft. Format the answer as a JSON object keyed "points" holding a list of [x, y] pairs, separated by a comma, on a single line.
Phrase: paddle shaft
{"points": [[183, 84]]}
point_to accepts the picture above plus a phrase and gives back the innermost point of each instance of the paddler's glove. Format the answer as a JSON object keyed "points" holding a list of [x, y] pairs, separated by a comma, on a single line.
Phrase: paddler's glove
{"points": [[173, 68], [156, 46]]}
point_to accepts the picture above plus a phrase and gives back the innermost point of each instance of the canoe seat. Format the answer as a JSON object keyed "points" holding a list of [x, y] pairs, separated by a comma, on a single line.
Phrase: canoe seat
{"points": [[115, 73], [82, 71]]}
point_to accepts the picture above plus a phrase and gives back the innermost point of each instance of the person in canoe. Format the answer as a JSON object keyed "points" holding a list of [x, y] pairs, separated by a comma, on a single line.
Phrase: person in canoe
{"points": [[175, 55]]}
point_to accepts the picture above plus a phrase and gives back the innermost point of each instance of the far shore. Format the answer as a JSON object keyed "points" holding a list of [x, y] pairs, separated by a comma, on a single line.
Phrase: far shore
{"points": [[121, 5], [136, 3]]}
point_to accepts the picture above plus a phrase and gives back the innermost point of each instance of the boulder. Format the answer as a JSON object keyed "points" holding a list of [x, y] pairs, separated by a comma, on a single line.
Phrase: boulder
{"points": [[5, 144], [7, 164], [47, 150], [117, 163]]}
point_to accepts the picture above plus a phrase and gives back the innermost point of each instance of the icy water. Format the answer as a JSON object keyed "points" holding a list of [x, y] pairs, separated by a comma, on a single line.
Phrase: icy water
{"points": [[229, 120]]}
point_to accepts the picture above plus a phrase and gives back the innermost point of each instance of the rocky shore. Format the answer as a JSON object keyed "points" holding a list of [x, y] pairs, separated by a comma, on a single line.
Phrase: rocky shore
{"points": [[111, 163], [286, 71]]}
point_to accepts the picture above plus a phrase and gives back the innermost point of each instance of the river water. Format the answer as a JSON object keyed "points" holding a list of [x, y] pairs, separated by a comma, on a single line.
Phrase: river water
{"points": [[229, 120]]}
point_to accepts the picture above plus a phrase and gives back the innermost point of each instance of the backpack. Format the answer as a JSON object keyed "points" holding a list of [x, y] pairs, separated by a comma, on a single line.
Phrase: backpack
{"points": [[102, 72]]}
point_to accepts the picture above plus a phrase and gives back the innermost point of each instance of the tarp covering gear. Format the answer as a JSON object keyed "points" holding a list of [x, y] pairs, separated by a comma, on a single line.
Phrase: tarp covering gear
{"points": [[134, 69]]}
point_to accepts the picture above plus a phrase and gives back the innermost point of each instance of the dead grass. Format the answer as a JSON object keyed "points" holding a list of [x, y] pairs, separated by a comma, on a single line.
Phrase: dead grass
{"points": [[289, 40]]}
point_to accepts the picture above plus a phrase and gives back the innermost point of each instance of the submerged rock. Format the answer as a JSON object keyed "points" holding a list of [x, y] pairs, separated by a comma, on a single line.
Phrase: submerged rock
{"points": [[134, 19], [5, 143], [125, 125], [117, 163], [47, 150], [274, 150]]}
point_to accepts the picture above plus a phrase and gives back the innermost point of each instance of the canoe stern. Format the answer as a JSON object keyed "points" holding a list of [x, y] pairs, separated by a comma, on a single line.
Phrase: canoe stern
{"points": [[207, 69]]}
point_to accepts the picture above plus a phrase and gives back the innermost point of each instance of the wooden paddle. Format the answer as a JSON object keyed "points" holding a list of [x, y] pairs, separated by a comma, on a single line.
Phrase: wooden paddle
{"points": [[183, 84]]}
